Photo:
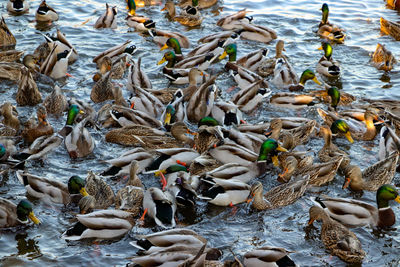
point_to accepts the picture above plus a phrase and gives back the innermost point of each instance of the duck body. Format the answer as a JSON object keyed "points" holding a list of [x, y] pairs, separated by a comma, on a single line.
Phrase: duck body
{"points": [[28, 92], [45, 12], [6, 37], [17, 7], [108, 19], [268, 256], [160, 206], [13, 215], [79, 142], [328, 30], [390, 28], [382, 58]]}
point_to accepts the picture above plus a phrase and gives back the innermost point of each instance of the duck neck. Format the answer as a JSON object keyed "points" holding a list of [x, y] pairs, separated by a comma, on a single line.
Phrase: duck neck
{"points": [[328, 139], [171, 63], [232, 57]]}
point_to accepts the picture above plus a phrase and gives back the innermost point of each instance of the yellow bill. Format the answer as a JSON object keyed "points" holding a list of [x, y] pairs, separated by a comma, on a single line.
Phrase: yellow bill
{"points": [[275, 161], [223, 55], [316, 81], [320, 48], [348, 136], [161, 61], [33, 218], [282, 149], [346, 183], [83, 192], [165, 46], [397, 199], [167, 119], [158, 173]]}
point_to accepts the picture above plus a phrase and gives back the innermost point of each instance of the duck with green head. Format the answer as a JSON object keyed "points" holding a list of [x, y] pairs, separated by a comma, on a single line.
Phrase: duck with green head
{"points": [[340, 126], [50, 190], [189, 16], [231, 51], [328, 30], [73, 111], [334, 93], [169, 115], [305, 76], [354, 213], [176, 76], [327, 65], [174, 44], [140, 23], [270, 148], [175, 168], [12, 215]]}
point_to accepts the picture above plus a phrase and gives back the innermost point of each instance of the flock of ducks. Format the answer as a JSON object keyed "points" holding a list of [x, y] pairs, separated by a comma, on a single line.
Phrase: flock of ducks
{"points": [[225, 156]]}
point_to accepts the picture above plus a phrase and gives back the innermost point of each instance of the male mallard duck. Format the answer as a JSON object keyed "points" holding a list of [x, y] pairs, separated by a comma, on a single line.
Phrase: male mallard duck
{"points": [[115, 52], [174, 44], [202, 3], [389, 142], [72, 115], [234, 21], [268, 256], [101, 224], [60, 43], [226, 113], [285, 77], [126, 116], [233, 171], [10, 118], [160, 206], [354, 213], [140, 23], [372, 177], [100, 190], [253, 60], [337, 238], [327, 65], [28, 92], [13, 215], [214, 43], [79, 143], [267, 66], [7, 148], [46, 12], [330, 151], [391, 28], [40, 147], [330, 31], [383, 59], [202, 101], [108, 19], [56, 64], [10, 55], [161, 37], [247, 99], [137, 77], [279, 196], [6, 37], [51, 190], [189, 16], [146, 102], [17, 7], [31, 132], [55, 102]]}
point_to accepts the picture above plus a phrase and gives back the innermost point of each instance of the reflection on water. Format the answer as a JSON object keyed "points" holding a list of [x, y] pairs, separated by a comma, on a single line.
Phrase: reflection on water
{"points": [[27, 246]]}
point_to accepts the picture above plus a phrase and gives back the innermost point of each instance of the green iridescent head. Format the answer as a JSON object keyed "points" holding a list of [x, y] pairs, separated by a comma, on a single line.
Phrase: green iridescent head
{"points": [[73, 111], [340, 126], [2, 150], [172, 43], [195, 2], [169, 115], [269, 147], [327, 49], [308, 75], [385, 193], [176, 168], [76, 185], [170, 58], [334, 93], [325, 13], [131, 7], [231, 50], [209, 121], [25, 211]]}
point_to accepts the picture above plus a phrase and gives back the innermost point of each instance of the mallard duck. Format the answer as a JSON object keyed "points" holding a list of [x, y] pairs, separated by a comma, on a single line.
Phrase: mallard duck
{"points": [[209, 134], [234, 21], [390, 28], [265, 256], [202, 101], [253, 60], [279, 196], [137, 78], [393, 4], [6, 37], [100, 190], [79, 143], [174, 44], [161, 37], [354, 213], [202, 164], [327, 65], [10, 55], [31, 132], [233, 171], [383, 59], [72, 115], [28, 92], [174, 112], [248, 139], [86, 204], [202, 3], [40, 147], [11, 71], [226, 113], [372, 177], [51, 190], [266, 67], [115, 52], [189, 16], [248, 99], [108, 19], [330, 151], [10, 118], [101, 224], [330, 31], [13, 215], [339, 240], [60, 43], [103, 89], [389, 142], [55, 102], [56, 64], [146, 102], [46, 12], [7, 148], [140, 23], [126, 116], [17, 7], [160, 206]]}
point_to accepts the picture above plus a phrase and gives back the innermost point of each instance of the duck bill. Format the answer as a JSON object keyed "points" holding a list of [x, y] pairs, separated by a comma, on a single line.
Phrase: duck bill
{"points": [[165, 46], [190, 132], [320, 48], [83, 192], [161, 61], [348, 136], [132, 12], [346, 183], [281, 149], [311, 221], [167, 119], [223, 55], [33, 218], [397, 199], [268, 132], [316, 81], [275, 161]]}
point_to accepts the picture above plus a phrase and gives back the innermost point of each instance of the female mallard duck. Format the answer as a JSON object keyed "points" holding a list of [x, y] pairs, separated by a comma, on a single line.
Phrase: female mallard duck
{"points": [[6, 37], [330, 31], [13, 215], [115, 52], [17, 7], [51, 190], [189, 16], [327, 65], [10, 116], [146, 102], [103, 89], [209, 135], [101, 224], [339, 240], [235, 21], [55, 102], [268, 256], [391, 28], [46, 12], [79, 143], [330, 151], [108, 19], [279, 196], [383, 59], [354, 213], [28, 92], [247, 99], [372, 177], [10, 55], [130, 197], [267, 66], [31, 132], [105, 65], [40, 147], [137, 78], [100, 190], [160, 206], [202, 3]]}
